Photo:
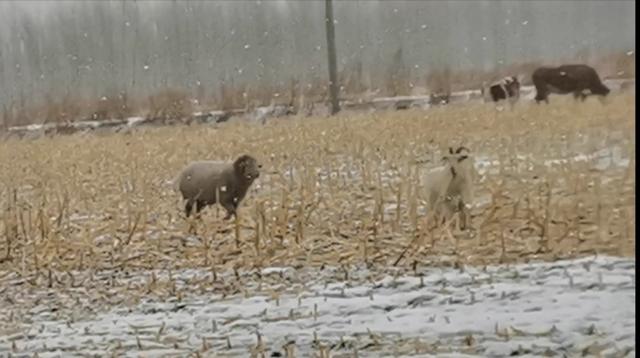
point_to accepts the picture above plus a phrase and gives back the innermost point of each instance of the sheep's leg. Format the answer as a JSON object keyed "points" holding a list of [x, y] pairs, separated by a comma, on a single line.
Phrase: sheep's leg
{"points": [[231, 210], [199, 206], [188, 207]]}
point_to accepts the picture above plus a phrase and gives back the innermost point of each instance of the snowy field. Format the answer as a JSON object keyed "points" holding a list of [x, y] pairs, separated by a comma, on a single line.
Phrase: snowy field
{"points": [[567, 308], [93, 281]]}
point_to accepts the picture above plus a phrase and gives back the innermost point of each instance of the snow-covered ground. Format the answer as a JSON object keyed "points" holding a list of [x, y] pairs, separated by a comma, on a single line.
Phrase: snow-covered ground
{"points": [[566, 308]]}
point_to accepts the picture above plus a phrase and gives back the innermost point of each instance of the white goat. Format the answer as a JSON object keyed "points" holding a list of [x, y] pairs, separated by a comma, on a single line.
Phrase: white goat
{"points": [[450, 189]]}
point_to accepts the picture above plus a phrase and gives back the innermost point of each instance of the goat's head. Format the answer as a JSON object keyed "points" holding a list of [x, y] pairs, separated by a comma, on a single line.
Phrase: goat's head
{"points": [[459, 161]]}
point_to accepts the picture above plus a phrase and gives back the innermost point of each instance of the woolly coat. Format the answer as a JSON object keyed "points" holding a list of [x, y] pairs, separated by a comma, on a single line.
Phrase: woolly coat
{"points": [[208, 182]]}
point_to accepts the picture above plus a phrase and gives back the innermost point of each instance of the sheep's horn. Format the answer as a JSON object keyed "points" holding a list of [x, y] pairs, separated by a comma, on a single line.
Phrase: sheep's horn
{"points": [[461, 148]]}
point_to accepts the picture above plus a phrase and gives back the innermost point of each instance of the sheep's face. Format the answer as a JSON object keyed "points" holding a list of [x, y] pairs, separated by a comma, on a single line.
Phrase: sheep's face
{"points": [[247, 168]]}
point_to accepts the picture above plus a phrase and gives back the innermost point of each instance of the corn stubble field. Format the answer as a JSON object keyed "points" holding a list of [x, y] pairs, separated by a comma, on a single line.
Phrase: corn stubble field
{"points": [[93, 224]]}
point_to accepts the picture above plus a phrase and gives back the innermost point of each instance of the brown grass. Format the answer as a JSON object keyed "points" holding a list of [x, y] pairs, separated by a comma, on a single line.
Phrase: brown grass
{"points": [[84, 202]]}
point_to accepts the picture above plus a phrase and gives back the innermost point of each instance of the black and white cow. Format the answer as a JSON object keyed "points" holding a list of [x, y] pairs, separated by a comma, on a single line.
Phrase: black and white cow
{"points": [[507, 88]]}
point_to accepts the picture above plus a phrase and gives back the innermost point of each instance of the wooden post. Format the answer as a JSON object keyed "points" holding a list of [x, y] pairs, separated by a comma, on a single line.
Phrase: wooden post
{"points": [[331, 52]]}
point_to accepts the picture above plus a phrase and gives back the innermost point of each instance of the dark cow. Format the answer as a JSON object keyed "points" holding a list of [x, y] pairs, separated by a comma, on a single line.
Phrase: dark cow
{"points": [[565, 79], [506, 88]]}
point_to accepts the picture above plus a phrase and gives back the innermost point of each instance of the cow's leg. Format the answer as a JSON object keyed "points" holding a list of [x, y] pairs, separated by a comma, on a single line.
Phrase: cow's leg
{"points": [[602, 99], [576, 94], [541, 95]]}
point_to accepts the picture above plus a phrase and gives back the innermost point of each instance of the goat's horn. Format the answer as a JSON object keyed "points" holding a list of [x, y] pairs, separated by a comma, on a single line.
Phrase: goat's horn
{"points": [[461, 148]]}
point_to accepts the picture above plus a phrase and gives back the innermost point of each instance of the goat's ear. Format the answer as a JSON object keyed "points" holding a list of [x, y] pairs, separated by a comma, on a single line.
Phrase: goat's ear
{"points": [[462, 157]]}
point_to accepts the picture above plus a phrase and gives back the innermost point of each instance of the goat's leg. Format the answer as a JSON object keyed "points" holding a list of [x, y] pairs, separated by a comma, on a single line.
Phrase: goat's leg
{"points": [[464, 216]]}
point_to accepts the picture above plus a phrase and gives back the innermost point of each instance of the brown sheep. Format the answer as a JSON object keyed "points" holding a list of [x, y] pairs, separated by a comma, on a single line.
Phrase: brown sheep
{"points": [[205, 183]]}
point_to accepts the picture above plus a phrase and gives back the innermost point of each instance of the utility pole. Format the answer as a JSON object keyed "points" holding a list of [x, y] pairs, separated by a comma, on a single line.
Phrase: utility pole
{"points": [[331, 52]]}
